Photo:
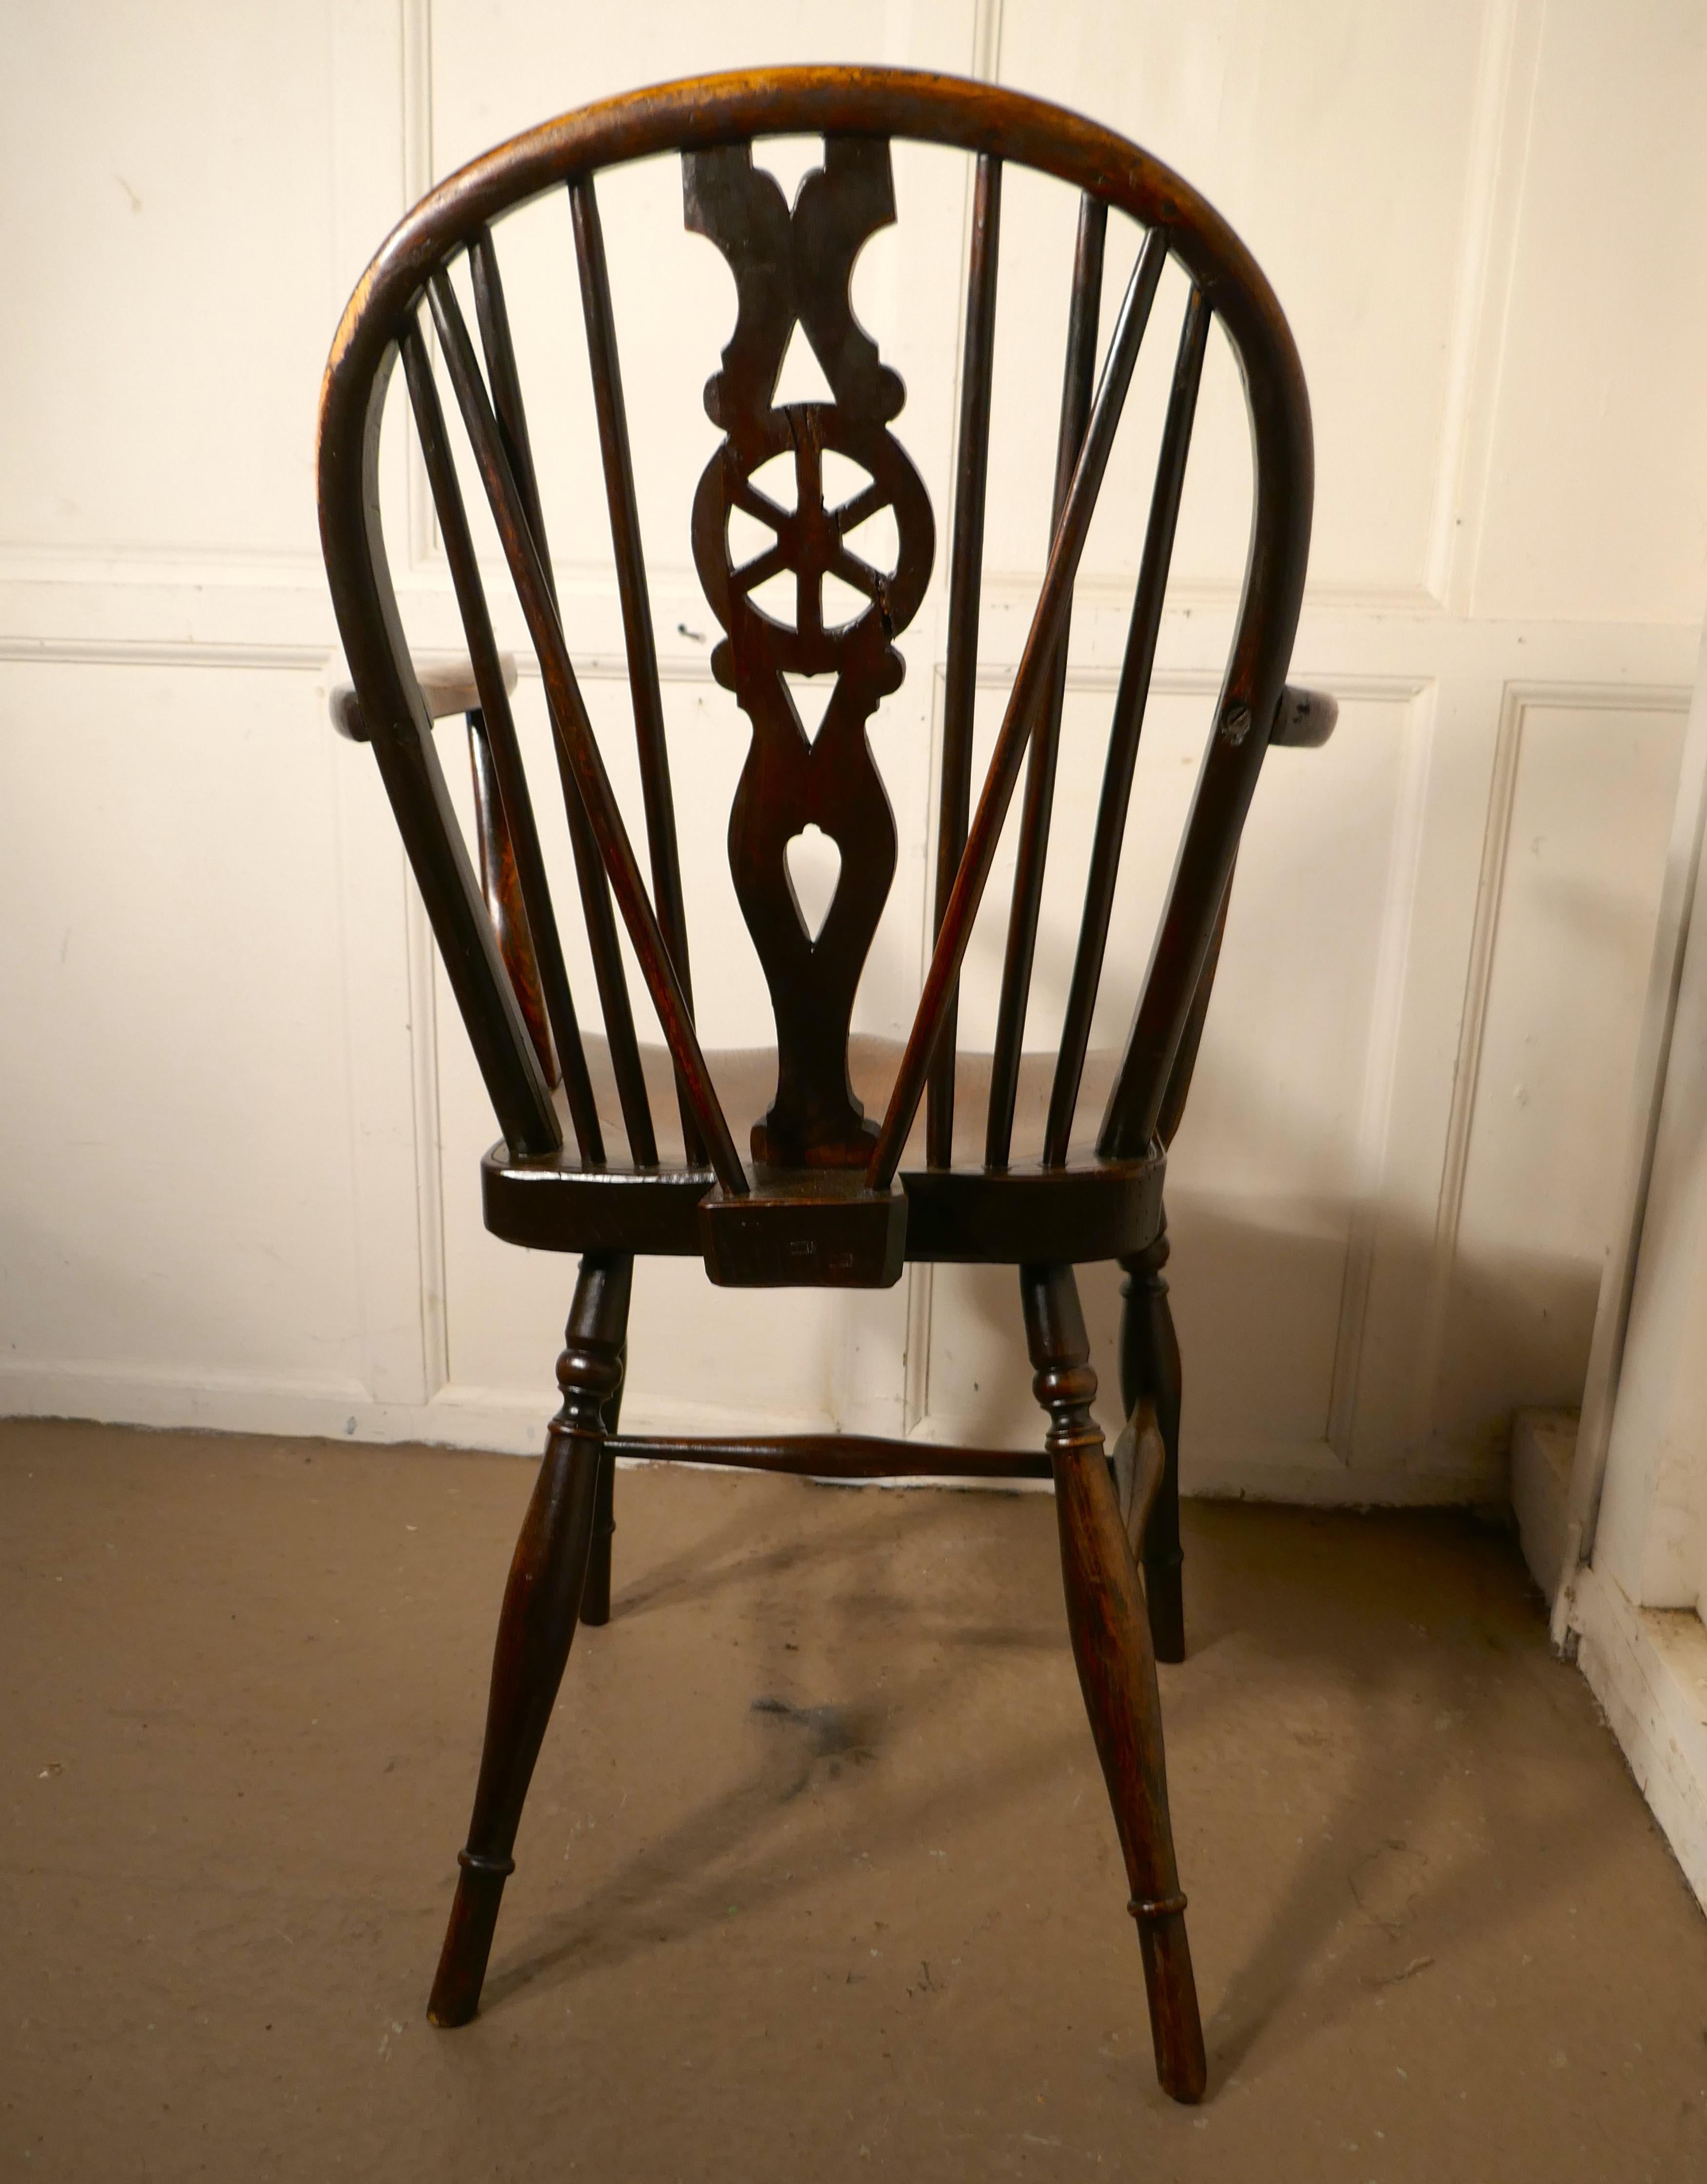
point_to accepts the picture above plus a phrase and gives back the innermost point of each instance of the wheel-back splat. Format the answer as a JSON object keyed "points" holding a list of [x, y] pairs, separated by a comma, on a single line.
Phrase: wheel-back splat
{"points": [[789, 267]]}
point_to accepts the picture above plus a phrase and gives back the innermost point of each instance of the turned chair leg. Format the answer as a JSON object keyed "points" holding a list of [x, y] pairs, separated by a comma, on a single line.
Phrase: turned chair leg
{"points": [[595, 1599], [541, 1603], [1117, 1672], [1150, 1375]]}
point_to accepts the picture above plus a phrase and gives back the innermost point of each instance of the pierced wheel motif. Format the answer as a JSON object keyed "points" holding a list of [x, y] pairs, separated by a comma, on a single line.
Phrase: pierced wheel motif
{"points": [[793, 266], [810, 541]]}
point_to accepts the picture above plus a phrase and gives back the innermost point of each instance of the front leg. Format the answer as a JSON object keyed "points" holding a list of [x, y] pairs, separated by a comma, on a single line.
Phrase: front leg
{"points": [[1117, 1673], [540, 1602]]}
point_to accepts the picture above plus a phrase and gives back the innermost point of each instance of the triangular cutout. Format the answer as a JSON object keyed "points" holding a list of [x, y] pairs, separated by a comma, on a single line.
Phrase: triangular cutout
{"points": [[814, 870], [811, 694], [802, 376]]}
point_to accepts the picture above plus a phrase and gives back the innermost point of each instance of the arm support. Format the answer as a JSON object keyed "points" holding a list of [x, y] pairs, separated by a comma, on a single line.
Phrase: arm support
{"points": [[1303, 719], [447, 686]]}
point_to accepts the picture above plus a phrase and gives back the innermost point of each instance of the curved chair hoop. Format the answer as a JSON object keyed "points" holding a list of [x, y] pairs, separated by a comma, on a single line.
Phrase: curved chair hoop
{"points": [[697, 117]]}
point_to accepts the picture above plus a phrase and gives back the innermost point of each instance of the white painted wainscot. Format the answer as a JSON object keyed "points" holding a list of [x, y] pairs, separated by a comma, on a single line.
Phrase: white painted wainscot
{"points": [[239, 1127]]}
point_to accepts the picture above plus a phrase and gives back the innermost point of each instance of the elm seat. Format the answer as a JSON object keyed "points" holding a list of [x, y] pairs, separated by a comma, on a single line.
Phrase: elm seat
{"points": [[614, 1146], [1098, 1210]]}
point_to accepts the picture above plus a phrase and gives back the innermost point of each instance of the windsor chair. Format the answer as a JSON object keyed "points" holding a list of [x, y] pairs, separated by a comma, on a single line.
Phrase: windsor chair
{"points": [[828, 1196]]}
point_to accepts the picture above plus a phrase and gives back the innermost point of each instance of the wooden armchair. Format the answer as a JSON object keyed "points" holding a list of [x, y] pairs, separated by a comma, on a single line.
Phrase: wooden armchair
{"points": [[827, 1196]]}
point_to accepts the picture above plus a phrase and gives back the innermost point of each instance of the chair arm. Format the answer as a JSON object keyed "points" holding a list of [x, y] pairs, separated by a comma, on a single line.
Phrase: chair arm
{"points": [[448, 685], [1303, 719]]}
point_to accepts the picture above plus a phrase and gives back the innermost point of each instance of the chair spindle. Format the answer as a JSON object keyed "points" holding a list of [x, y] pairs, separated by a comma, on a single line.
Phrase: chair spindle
{"points": [[491, 315], [1130, 701], [510, 418], [504, 751], [1078, 375], [503, 892], [1030, 682], [966, 579], [1175, 986], [577, 746], [637, 604]]}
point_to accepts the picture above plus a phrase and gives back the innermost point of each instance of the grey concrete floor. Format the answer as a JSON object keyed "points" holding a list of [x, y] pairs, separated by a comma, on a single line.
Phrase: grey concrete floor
{"points": [[817, 1879]]}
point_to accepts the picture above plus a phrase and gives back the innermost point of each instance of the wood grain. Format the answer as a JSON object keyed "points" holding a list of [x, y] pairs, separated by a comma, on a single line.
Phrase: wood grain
{"points": [[1117, 1669], [792, 268]]}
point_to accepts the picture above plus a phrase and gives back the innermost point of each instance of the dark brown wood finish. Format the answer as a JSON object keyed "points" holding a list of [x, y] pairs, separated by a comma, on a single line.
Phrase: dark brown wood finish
{"points": [[577, 745], [1170, 1114], [1130, 700], [1036, 666], [647, 700], [834, 1455], [509, 416], [1150, 1378], [388, 710], [1151, 1374], [1084, 310], [645, 695], [1176, 988], [828, 1200], [1110, 1629], [540, 1605], [793, 266], [866, 101], [965, 588], [967, 1215], [501, 885], [595, 1598], [491, 316], [492, 688]]}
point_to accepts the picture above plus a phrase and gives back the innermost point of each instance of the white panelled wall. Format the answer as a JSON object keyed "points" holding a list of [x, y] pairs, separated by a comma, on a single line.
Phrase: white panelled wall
{"points": [[239, 1126]]}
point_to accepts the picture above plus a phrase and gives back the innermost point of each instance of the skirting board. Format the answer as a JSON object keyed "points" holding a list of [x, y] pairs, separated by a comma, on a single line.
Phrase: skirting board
{"points": [[497, 1419], [458, 1417], [1313, 1477], [1648, 1667]]}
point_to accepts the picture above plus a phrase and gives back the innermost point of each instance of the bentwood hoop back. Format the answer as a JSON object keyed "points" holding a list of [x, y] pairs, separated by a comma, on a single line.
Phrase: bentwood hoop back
{"points": [[824, 1194]]}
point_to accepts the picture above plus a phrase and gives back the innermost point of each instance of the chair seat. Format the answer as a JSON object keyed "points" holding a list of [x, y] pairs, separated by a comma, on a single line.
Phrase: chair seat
{"points": [[1088, 1210]]}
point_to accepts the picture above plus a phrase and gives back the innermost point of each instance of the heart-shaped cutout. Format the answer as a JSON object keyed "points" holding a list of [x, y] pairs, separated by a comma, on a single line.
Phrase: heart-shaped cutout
{"points": [[814, 870]]}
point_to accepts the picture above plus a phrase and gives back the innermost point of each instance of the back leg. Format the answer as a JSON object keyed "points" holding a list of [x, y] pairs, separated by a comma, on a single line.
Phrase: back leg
{"points": [[1117, 1670], [1150, 1376], [534, 1628], [595, 1599]]}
